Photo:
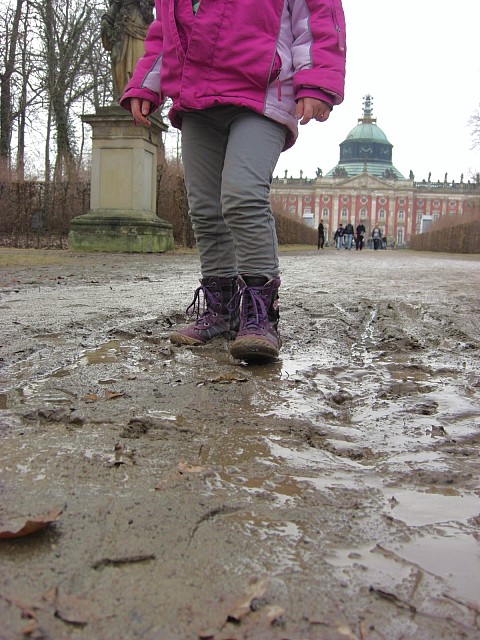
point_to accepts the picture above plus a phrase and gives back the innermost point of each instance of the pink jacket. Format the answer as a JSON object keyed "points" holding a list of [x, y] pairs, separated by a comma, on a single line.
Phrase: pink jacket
{"points": [[261, 54]]}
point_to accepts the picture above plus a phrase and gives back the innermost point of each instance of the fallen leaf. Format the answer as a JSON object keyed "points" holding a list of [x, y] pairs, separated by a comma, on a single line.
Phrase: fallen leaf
{"points": [[228, 378], [122, 456], [73, 609], [25, 527], [275, 614], [90, 397], [243, 605], [183, 467], [110, 395]]}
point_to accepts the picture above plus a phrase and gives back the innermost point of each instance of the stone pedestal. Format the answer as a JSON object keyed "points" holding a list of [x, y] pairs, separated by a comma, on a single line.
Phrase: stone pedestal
{"points": [[122, 214]]}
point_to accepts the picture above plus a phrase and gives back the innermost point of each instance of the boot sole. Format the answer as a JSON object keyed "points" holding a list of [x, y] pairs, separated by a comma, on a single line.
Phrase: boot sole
{"points": [[254, 350], [180, 339]]}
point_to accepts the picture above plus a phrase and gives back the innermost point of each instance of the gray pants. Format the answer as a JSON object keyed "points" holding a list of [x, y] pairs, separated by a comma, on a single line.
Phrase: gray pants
{"points": [[229, 154]]}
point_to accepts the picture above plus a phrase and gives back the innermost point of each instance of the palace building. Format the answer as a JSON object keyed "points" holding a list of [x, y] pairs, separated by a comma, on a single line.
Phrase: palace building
{"points": [[366, 186]]}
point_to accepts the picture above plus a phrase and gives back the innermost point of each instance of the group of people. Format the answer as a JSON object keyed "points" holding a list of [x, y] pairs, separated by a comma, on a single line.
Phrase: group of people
{"points": [[346, 236]]}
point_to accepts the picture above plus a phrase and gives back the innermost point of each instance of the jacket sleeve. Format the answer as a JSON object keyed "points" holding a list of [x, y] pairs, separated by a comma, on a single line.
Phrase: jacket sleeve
{"points": [[319, 49], [145, 81]]}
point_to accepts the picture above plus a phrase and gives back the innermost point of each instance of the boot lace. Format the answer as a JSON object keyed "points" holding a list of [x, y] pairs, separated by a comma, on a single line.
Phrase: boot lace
{"points": [[202, 311], [254, 309]]}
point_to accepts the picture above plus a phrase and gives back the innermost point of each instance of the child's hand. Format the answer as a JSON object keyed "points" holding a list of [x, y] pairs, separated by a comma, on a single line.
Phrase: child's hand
{"points": [[140, 110], [308, 108]]}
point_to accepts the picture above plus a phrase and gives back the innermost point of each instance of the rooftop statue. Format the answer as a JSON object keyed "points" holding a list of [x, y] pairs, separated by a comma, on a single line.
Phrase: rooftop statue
{"points": [[123, 28]]}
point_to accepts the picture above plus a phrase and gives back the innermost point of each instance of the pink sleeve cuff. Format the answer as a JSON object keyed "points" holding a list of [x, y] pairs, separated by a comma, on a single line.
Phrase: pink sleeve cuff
{"points": [[311, 92]]}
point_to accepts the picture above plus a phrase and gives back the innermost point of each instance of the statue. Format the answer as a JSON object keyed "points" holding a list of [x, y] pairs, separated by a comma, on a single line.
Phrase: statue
{"points": [[411, 175], [319, 172], [123, 30]]}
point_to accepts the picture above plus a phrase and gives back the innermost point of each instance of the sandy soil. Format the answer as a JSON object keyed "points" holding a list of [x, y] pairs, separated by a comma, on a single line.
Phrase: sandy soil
{"points": [[332, 495]]}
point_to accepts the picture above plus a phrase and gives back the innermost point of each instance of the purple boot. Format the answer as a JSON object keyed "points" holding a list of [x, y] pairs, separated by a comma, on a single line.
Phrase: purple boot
{"points": [[258, 339], [218, 317]]}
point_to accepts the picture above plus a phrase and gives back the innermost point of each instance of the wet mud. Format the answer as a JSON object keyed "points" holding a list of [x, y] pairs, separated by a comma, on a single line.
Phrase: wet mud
{"points": [[331, 495]]}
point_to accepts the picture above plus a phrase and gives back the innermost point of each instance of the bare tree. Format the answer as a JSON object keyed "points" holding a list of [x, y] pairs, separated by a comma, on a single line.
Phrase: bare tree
{"points": [[10, 29], [69, 31], [474, 124]]}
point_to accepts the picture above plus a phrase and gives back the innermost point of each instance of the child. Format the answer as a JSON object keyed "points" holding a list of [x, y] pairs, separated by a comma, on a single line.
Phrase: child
{"points": [[240, 74]]}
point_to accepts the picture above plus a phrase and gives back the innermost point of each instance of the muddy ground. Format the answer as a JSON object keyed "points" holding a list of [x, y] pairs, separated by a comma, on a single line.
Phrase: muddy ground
{"points": [[332, 495]]}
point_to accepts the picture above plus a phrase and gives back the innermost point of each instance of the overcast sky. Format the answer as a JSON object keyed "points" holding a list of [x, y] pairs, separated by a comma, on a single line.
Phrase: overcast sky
{"points": [[420, 60]]}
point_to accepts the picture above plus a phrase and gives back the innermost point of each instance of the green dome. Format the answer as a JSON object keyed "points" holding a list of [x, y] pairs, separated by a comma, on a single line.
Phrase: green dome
{"points": [[367, 131], [366, 149]]}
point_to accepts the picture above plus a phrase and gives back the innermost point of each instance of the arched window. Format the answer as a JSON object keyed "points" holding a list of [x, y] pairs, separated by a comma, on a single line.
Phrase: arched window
{"points": [[344, 212], [381, 214], [325, 213]]}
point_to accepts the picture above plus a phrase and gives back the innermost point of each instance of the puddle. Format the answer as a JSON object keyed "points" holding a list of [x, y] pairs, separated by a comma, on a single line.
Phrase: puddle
{"points": [[454, 558], [418, 509], [314, 458], [109, 352]]}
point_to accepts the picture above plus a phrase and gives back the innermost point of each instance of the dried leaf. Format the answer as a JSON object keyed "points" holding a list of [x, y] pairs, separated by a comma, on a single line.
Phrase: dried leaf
{"points": [[73, 609], [90, 397], [243, 605], [25, 527], [111, 395], [183, 467], [228, 378], [274, 614], [122, 456], [169, 480]]}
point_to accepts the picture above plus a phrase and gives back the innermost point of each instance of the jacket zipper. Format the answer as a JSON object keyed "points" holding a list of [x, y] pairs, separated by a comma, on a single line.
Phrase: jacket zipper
{"points": [[340, 38]]}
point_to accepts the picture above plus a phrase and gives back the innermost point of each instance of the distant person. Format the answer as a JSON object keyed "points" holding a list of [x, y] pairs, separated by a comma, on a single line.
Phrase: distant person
{"points": [[338, 237], [359, 236], [241, 76], [321, 236], [384, 242], [348, 234], [377, 237]]}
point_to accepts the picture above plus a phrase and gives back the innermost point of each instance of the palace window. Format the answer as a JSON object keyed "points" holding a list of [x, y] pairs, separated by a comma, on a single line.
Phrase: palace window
{"points": [[326, 199], [381, 214], [363, 212], [345, 199], [400, 236], [401, 214], [325, 213], [344, 212]]}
